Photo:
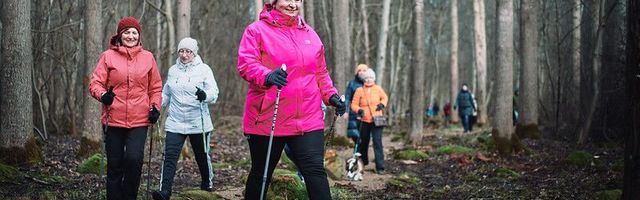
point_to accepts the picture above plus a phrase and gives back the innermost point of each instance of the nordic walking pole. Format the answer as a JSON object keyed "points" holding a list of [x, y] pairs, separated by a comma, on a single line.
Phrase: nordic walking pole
{"points": [[149, 161], [329, 137], [104, 140], [204, 141], [273, 128]]}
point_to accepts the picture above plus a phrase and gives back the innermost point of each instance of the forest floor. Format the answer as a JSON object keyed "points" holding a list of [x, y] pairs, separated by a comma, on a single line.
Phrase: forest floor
{"points": [[456, 166]]}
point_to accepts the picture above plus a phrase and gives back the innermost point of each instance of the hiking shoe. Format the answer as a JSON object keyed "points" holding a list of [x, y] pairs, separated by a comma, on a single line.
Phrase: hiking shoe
{"points": [[208, 189], [380, 172], [159, 195]]}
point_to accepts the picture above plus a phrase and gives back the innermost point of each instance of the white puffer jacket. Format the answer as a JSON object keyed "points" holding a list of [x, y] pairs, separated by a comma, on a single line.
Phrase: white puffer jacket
{"points": [[179, 93]]}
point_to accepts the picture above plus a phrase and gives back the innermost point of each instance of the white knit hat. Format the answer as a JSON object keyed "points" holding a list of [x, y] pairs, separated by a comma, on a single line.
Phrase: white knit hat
{"points": [[189, 43], [368, 74]]}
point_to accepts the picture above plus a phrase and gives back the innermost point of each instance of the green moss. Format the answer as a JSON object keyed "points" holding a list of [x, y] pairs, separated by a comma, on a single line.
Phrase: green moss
{"points": [[411, 154], [507, 173], [609, 194], [286, 162], [580, 158], [93, 165], [618, 165], [472, 178], [405, 180], [340, 193], [455, 149], [8, 172], [88, 147], [341, 141], [54, 179], [196, 195], [506, 146], [286, 185], [222, 165], [246, 162], [30, 155]]}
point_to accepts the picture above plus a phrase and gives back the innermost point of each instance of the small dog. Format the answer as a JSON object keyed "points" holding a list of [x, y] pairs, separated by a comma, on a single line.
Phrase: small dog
{"points": [[354, 167]]}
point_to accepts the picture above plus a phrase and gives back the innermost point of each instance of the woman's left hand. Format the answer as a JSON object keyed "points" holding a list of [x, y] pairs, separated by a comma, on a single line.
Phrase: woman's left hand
{"points": [[380, 107], [338, 104]]}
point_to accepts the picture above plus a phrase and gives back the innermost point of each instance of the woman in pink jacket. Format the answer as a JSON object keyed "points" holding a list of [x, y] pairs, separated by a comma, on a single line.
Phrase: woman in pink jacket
{"points": [[282, 37], [127, 82]]}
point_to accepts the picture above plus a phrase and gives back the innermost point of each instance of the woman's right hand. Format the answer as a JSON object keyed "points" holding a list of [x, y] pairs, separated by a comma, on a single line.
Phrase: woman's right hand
{"points": [[276, 77], [107, 97]]}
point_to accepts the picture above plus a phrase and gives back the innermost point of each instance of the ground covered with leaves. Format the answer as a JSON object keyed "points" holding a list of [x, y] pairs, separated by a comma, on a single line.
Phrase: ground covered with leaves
{"points": [[448, 165]]}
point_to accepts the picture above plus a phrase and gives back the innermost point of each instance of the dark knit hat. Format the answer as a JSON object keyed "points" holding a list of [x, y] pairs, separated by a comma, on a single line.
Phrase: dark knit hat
{"points": [[128, 22]]}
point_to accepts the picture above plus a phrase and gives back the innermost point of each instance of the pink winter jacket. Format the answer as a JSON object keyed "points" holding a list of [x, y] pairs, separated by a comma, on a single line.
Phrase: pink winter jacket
{"points": [[136, 82], [274, 40]]}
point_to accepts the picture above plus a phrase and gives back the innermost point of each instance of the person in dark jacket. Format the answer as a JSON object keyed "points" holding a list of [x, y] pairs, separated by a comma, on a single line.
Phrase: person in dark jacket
{"points": [[465, 106], [352, 86]]}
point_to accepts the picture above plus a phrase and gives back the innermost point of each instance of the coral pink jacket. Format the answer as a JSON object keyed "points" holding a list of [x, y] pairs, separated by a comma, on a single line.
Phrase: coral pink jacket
{"points": [[274, 40], [134, 75]]}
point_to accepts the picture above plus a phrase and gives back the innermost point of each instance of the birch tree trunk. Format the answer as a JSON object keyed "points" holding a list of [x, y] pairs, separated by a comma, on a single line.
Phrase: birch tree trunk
{"points": [[17, 142], [259, 5], [528, 94], [576, 64], [309, 16], [184, 19], [365, 29], [342, 53], [171, 32], [502, 94], [480, 59], [92, 134], [382, 42], [454, 55], [418, 70]]}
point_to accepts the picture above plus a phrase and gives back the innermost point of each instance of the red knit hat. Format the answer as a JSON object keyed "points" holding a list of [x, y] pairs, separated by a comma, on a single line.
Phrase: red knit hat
{"points": [[128, 22]]}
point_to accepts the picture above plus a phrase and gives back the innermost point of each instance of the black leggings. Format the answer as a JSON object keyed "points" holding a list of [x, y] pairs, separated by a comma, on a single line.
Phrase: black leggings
{"points": [[173, 145], [125, 152], [308, 150]]}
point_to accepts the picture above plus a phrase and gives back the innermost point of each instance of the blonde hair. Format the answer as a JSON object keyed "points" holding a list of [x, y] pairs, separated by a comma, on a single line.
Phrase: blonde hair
{"points": [[361, 67]]}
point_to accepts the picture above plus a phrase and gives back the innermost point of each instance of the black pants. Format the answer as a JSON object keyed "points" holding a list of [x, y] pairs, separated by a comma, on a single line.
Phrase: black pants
{"points": [[369, 130], [173, 145], [308, 150], [125, 152]]}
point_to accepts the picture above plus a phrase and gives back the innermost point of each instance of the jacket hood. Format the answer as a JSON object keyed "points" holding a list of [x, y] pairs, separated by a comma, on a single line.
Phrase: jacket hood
{"points": [[276, 18], [127, 51], [196, 61]]}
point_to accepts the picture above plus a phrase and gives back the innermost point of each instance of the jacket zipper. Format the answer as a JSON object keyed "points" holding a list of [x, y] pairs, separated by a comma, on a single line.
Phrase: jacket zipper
{"points": [[295, 44]]}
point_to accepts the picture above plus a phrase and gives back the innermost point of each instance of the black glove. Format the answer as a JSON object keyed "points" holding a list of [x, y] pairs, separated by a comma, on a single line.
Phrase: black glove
{"points": [[154, 115], [338, 104], [201, 95], [380, 107], [107, 97], [360, 112], [276, 77]]}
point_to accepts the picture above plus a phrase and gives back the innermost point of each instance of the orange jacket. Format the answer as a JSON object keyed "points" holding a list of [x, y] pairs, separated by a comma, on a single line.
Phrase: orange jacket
{"points": [[369, 101], [134, 75]]}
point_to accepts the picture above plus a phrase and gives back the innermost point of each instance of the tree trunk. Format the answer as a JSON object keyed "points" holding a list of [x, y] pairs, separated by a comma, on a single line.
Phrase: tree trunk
{"points": [[418, 70], [631, 189], [365, 29], [91, 127], [502, 93], [309, 16], [259, 5], [480, 59], [382, 42], [597, 62], [171, 32], [342, 53], [454, 55], [17, 142], [576, 64], [528, 94], [184, 19]]}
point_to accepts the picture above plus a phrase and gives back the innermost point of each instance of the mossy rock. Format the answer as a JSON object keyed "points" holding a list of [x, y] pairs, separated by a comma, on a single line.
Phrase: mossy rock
{"points": [[93, 165], [455, 149], [196, 195], [286, 162], [8, 172], [507, 173], [285, 184], [609, 194], [580, 158], [341, 141], [405, 180], [411, 154]]}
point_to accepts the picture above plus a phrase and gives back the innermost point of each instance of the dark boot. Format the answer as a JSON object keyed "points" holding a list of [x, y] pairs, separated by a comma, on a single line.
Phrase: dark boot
{"points": [[160, 195]]}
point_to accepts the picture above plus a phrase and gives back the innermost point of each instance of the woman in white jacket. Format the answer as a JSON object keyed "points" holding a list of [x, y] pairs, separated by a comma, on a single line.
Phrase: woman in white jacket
{"points": [[190, 85]]}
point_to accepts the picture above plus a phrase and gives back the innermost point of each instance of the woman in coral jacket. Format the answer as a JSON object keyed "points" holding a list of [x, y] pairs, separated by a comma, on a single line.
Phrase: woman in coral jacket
{"points": [[127, 82], [369, 101], [282, 37]]}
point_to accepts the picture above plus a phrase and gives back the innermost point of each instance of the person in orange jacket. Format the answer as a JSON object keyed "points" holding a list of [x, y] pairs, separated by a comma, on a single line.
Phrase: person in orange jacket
{"points": [[368, 101], [127, 82]]}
